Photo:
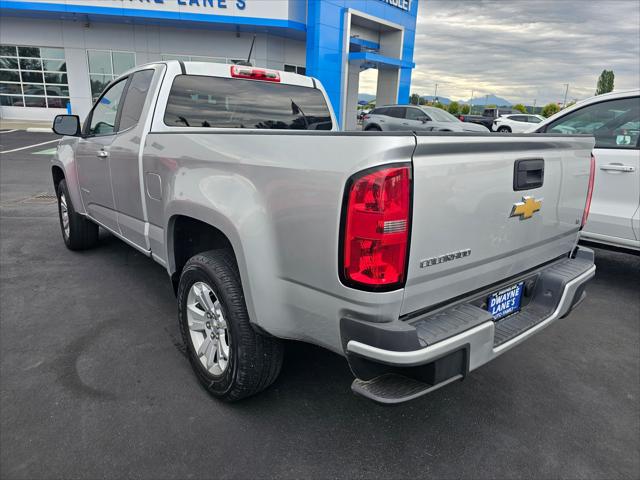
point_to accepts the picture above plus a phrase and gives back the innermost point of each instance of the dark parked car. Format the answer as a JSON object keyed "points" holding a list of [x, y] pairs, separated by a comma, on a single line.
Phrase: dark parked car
{"points": [[487, 117]]}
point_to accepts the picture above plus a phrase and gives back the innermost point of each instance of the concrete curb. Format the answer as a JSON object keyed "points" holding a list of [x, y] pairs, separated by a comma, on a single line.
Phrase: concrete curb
{"points": [[39, 130]]}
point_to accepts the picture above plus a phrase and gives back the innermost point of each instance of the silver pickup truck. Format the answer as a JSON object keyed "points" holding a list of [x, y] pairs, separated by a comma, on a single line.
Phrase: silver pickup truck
{"points": [[417, 256]]}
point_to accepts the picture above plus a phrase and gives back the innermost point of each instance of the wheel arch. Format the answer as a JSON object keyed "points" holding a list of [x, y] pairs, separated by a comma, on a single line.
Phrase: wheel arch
{"points": [[57, 174], [188, 235]]}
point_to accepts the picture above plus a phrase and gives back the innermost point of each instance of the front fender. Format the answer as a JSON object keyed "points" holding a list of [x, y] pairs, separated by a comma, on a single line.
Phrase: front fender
{"points": [[65, 159]]}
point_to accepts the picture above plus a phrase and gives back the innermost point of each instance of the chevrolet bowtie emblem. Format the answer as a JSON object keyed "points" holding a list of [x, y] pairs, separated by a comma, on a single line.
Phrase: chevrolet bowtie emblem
{"points": [[526, 208]]}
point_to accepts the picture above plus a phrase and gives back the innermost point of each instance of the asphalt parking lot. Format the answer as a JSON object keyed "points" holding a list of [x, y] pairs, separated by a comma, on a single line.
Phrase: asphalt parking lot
{"points": [[94, 384]]}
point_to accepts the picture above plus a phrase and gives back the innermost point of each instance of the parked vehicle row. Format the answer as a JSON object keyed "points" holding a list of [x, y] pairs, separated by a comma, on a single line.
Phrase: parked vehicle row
{"points": [[395, 118], [419, 256]]}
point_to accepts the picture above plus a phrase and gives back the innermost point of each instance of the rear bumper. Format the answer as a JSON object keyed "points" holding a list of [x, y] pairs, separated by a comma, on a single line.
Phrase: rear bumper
{"points": [[468, 328]]}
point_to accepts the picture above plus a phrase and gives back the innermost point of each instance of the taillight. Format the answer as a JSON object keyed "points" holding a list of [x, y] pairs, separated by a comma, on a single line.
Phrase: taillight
{"points": [[376, 228], [366, 117], [251, 73], [587, 205], [461, 117]]}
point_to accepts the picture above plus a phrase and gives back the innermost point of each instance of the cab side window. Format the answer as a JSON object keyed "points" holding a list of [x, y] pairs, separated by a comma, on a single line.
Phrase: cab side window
{"points": [[135, 98], [614, 123], [105, 113]]}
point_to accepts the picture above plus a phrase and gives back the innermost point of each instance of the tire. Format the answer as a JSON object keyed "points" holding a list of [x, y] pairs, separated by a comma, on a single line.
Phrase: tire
{"points": [[253, 360], [373, 128], [504, 130], [78, 232]]}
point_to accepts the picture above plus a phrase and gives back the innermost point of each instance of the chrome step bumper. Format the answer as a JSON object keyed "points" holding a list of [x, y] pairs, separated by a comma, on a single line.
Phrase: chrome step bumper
{"points": [[482, 340]]}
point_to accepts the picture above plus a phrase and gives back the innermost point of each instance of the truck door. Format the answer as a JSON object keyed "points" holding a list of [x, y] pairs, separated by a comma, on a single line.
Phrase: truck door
{"points": [[92, 157], [124, 161]]}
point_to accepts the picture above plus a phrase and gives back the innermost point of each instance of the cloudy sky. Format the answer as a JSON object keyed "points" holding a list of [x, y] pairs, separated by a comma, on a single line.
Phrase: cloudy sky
{"points": [[523, 50]]}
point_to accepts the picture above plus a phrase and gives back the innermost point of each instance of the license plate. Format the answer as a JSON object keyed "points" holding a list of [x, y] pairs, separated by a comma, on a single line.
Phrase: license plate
{"points": [[506, 301]]}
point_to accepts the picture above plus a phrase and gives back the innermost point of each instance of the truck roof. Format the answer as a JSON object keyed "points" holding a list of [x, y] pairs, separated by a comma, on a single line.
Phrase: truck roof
{"points": [[224, 70]]}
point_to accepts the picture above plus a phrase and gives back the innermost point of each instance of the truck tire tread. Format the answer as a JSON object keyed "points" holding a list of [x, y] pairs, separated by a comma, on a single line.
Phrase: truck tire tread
{"points": [[258, 357], [83, 233]]}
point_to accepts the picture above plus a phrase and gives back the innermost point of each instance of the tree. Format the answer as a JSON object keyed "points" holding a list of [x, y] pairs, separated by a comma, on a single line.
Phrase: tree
{"points": [[605, 82], [440, 105], [465, 109], [454, 108], [520, 108], [550, 109], [415, 99]]}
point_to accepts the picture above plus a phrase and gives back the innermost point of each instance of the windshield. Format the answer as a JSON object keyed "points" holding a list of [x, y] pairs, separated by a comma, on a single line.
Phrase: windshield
{"points": [[439, 115]]}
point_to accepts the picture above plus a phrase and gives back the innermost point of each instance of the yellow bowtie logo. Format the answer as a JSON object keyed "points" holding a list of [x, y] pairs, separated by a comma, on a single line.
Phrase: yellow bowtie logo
{"points": [[526, 208]]}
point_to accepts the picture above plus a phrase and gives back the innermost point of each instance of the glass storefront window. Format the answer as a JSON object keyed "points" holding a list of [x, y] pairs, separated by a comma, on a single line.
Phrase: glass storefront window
{"points": [[106, 65], [194, 58], [123, 61], [33, 77]]}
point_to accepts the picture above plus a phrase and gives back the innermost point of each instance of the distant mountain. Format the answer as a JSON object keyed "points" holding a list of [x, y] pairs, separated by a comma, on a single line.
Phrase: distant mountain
{"points": [[365, 97], [491, 100]]}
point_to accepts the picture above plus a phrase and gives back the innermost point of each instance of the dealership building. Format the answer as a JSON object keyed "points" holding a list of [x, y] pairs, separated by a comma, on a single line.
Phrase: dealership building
{"points": [[57, 55]]}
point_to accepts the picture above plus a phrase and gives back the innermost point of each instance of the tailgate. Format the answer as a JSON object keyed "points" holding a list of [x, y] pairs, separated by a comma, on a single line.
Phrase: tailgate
{"points": [[463, 236]]}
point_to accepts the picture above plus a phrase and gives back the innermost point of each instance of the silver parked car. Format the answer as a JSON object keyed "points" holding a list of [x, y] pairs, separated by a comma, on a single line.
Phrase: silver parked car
{"points": [[393, 118]]}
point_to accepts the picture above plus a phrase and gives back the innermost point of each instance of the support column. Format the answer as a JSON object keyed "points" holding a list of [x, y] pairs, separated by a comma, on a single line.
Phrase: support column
{"points": [[387, 89], [349, 120]]}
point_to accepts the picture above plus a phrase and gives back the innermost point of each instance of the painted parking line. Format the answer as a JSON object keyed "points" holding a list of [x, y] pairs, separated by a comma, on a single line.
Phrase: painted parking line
{"points": [[30, 146], [48, 151], [8, 131]]}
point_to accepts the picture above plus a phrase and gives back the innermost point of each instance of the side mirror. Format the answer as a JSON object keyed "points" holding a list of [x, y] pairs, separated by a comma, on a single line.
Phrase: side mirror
{"points": [[67, 125], [424, 119]]}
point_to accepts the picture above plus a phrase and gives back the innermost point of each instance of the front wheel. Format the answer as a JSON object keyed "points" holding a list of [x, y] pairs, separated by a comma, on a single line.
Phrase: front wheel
{"points": [[231, 359], [78, 232], [373, 128]]}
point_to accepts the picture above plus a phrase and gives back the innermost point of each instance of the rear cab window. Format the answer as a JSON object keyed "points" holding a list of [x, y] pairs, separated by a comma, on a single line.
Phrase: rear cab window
{"points": [[217, 102]]}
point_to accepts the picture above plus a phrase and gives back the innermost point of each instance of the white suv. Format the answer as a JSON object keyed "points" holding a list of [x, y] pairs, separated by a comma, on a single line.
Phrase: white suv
{"points": [[614, 120], [515, 123]]}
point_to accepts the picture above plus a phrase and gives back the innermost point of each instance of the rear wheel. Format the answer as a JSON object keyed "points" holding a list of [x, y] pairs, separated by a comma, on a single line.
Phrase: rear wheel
{"points": [[231, 359], [78, 232], [504, 129]]}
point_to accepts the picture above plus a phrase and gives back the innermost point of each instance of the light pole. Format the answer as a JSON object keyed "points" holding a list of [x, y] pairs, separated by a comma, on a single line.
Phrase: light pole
{"points": [[566, 90], [435, 95], [471, 104]]}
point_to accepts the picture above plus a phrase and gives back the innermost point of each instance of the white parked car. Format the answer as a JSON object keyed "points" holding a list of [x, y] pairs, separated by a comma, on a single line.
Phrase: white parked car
{"points": [[614, 120], [516, 123]]}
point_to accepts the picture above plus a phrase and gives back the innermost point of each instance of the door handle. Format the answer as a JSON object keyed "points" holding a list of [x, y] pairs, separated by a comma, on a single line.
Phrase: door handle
{"points": [[102, 154], [618, 167]]}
